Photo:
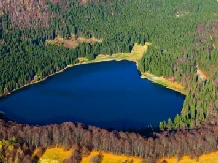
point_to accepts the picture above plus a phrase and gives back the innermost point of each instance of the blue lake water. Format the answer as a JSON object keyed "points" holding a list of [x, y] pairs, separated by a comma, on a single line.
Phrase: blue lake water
{"points": [[107, 94]]}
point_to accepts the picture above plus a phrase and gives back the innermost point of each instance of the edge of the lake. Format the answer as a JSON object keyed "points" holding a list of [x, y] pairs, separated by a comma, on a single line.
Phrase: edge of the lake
{"points": [[155, 79], [138, 51], [146, 75]]}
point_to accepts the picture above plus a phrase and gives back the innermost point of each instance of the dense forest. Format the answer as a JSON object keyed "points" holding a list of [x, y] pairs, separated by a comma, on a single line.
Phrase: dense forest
{"points": [[184, 37]]}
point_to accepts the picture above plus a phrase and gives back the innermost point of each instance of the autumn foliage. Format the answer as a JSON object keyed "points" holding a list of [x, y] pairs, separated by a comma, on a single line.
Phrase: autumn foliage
{"points": [[84, 139]]}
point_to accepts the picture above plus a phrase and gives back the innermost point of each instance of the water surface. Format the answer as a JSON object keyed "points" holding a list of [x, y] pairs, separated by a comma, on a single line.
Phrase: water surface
{"points": [[106, 94]]}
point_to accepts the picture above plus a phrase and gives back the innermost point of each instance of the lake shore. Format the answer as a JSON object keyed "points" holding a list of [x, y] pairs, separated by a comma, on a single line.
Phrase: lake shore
{"points": [[135, 56], [38, 81], [59, 71], [146, 75], [164, 82], [137, 51]]}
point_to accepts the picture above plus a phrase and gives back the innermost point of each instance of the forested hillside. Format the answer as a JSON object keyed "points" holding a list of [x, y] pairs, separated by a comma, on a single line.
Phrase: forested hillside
{"points": [[184, 49], [184, 37]]}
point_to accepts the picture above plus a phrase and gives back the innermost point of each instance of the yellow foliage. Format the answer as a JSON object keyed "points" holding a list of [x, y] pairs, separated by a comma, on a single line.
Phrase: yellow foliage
{"points": [[173, 84], [55, 155], [6, 143], [82, 59], [11, 147], [111, 158], [164, 81], [203, 73], [206, 158]]}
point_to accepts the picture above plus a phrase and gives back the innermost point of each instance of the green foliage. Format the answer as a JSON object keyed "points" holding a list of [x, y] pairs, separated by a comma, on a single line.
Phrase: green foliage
{"points": [[183, 35]]}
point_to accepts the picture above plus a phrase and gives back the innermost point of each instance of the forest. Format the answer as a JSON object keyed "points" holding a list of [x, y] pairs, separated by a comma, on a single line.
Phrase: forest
{"points": [[184, 37], [84, 139]]}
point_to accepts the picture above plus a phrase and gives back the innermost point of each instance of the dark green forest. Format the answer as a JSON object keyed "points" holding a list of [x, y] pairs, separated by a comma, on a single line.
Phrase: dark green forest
{"points": [[183, 33]]}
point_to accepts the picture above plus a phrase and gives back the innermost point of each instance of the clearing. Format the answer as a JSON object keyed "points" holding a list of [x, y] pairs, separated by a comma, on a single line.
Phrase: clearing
{"points": [[111, 158], [55, 155], [135, 55], [205, 158], [72, 41]]}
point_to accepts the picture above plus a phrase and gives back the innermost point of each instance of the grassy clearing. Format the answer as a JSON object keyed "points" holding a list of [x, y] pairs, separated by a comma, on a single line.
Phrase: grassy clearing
{"points": [[206, 158], [55, 155], [135, 55], [111, 158]]}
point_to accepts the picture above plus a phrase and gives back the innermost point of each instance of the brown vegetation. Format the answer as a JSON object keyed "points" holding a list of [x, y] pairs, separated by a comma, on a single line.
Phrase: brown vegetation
{"points": [[32, 13], [203, 74], [72, 41], [27, 13], [84, 139]]}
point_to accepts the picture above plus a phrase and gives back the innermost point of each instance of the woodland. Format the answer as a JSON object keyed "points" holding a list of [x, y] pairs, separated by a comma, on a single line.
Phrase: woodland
{"points": [[184, 37]]}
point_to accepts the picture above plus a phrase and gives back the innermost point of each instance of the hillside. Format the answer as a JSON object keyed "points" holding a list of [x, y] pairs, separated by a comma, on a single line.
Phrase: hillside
{"points": [[40, 38]]}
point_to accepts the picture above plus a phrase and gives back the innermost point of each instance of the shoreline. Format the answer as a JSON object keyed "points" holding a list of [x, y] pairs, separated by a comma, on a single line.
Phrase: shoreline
{"points": [[38, 81], [135, 56], [164, 82], [155, 79], [60, 71]]}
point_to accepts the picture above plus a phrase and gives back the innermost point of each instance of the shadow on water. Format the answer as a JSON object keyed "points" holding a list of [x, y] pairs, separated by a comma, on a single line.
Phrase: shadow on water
{"points": [[144, 131]]}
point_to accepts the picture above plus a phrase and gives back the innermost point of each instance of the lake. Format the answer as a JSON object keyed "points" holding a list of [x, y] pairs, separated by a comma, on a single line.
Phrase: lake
{"points": [[107, 94]]}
